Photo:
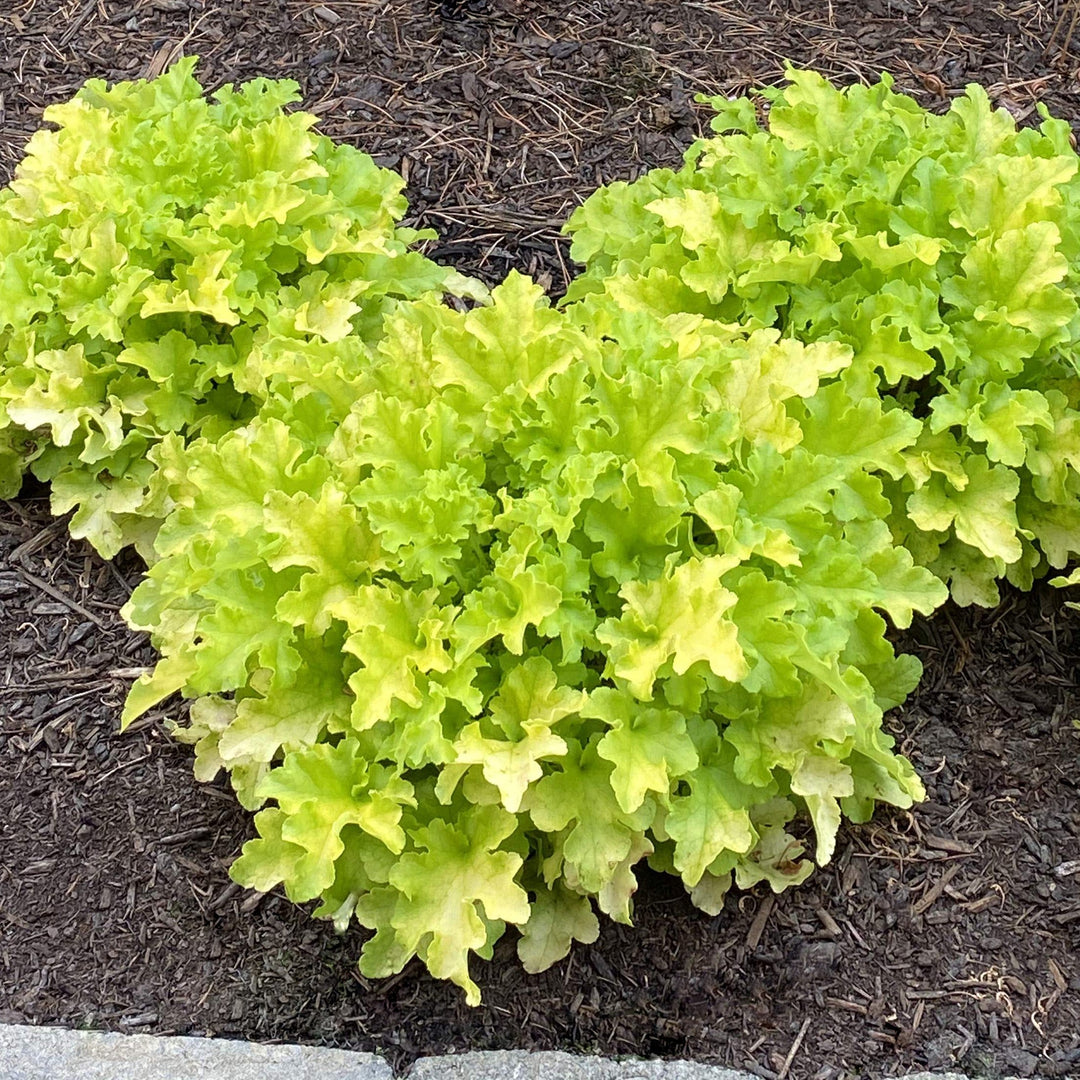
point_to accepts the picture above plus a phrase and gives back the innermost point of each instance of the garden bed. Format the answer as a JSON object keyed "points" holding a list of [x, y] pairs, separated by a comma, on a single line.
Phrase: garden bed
{"points": [[945, 936]]}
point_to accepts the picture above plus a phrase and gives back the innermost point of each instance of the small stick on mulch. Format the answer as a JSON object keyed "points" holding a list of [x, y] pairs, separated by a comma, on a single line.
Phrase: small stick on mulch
{"points": [[936, 890], [782, 1074], [62, 597]]}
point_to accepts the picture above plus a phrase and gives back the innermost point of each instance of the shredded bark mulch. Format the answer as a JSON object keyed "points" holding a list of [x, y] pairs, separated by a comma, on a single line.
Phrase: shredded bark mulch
{"points": [[944, 937]]}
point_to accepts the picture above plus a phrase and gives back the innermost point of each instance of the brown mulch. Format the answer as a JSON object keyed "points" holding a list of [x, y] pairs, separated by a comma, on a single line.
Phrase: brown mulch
{"points": [[949, 936]]}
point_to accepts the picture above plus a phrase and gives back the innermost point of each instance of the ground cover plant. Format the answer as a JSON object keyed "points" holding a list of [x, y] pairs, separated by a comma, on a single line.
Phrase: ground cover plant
{"points": [[535, 609], [522, 596], [165, 260], [943, 249]]}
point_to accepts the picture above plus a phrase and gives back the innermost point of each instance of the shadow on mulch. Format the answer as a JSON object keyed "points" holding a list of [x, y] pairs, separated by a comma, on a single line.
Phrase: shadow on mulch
{"points": [[946, 936]]}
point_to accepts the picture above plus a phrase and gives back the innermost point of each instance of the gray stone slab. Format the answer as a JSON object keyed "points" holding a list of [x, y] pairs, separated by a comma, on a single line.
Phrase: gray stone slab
{"points": [[43, 1053], [555, 1065]]}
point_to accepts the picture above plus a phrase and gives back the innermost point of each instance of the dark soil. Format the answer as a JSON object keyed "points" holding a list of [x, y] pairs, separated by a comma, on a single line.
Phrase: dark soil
{"points": [[947, 936]]}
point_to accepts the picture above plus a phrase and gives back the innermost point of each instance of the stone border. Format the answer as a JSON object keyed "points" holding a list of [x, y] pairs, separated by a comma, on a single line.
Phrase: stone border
{"points": [[47, 1053]]}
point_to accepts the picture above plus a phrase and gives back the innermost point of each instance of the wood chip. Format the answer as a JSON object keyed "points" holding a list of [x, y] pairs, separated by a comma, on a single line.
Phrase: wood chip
{"points": [[917, 1019], [1067, 869], [831, 925], [165, 57], [847, 1006], [252, 902], [129, 672], [37, 541], [856, 935], [41, 866], [140, 1019], [225, 896], [200, 832], [947, 843], [757, 927], [326, 14], [934, 894]]}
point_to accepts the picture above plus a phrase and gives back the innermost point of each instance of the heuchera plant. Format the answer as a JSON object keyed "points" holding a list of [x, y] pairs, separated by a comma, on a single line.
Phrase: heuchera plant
{"points": [[162, 257], [943, 249], [541, 605]]}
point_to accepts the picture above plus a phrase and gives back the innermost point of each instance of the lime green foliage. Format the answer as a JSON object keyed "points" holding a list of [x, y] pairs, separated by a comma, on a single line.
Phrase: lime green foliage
{"points": [[479, 609], [944, 250], [164, 259], [539, 604], [1064, 582]]}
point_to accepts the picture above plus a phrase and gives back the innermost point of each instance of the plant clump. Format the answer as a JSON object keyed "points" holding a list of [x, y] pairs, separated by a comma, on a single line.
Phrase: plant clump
{"points": [[481, 607], [165, 258], [538, 607], [944, 250]]}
